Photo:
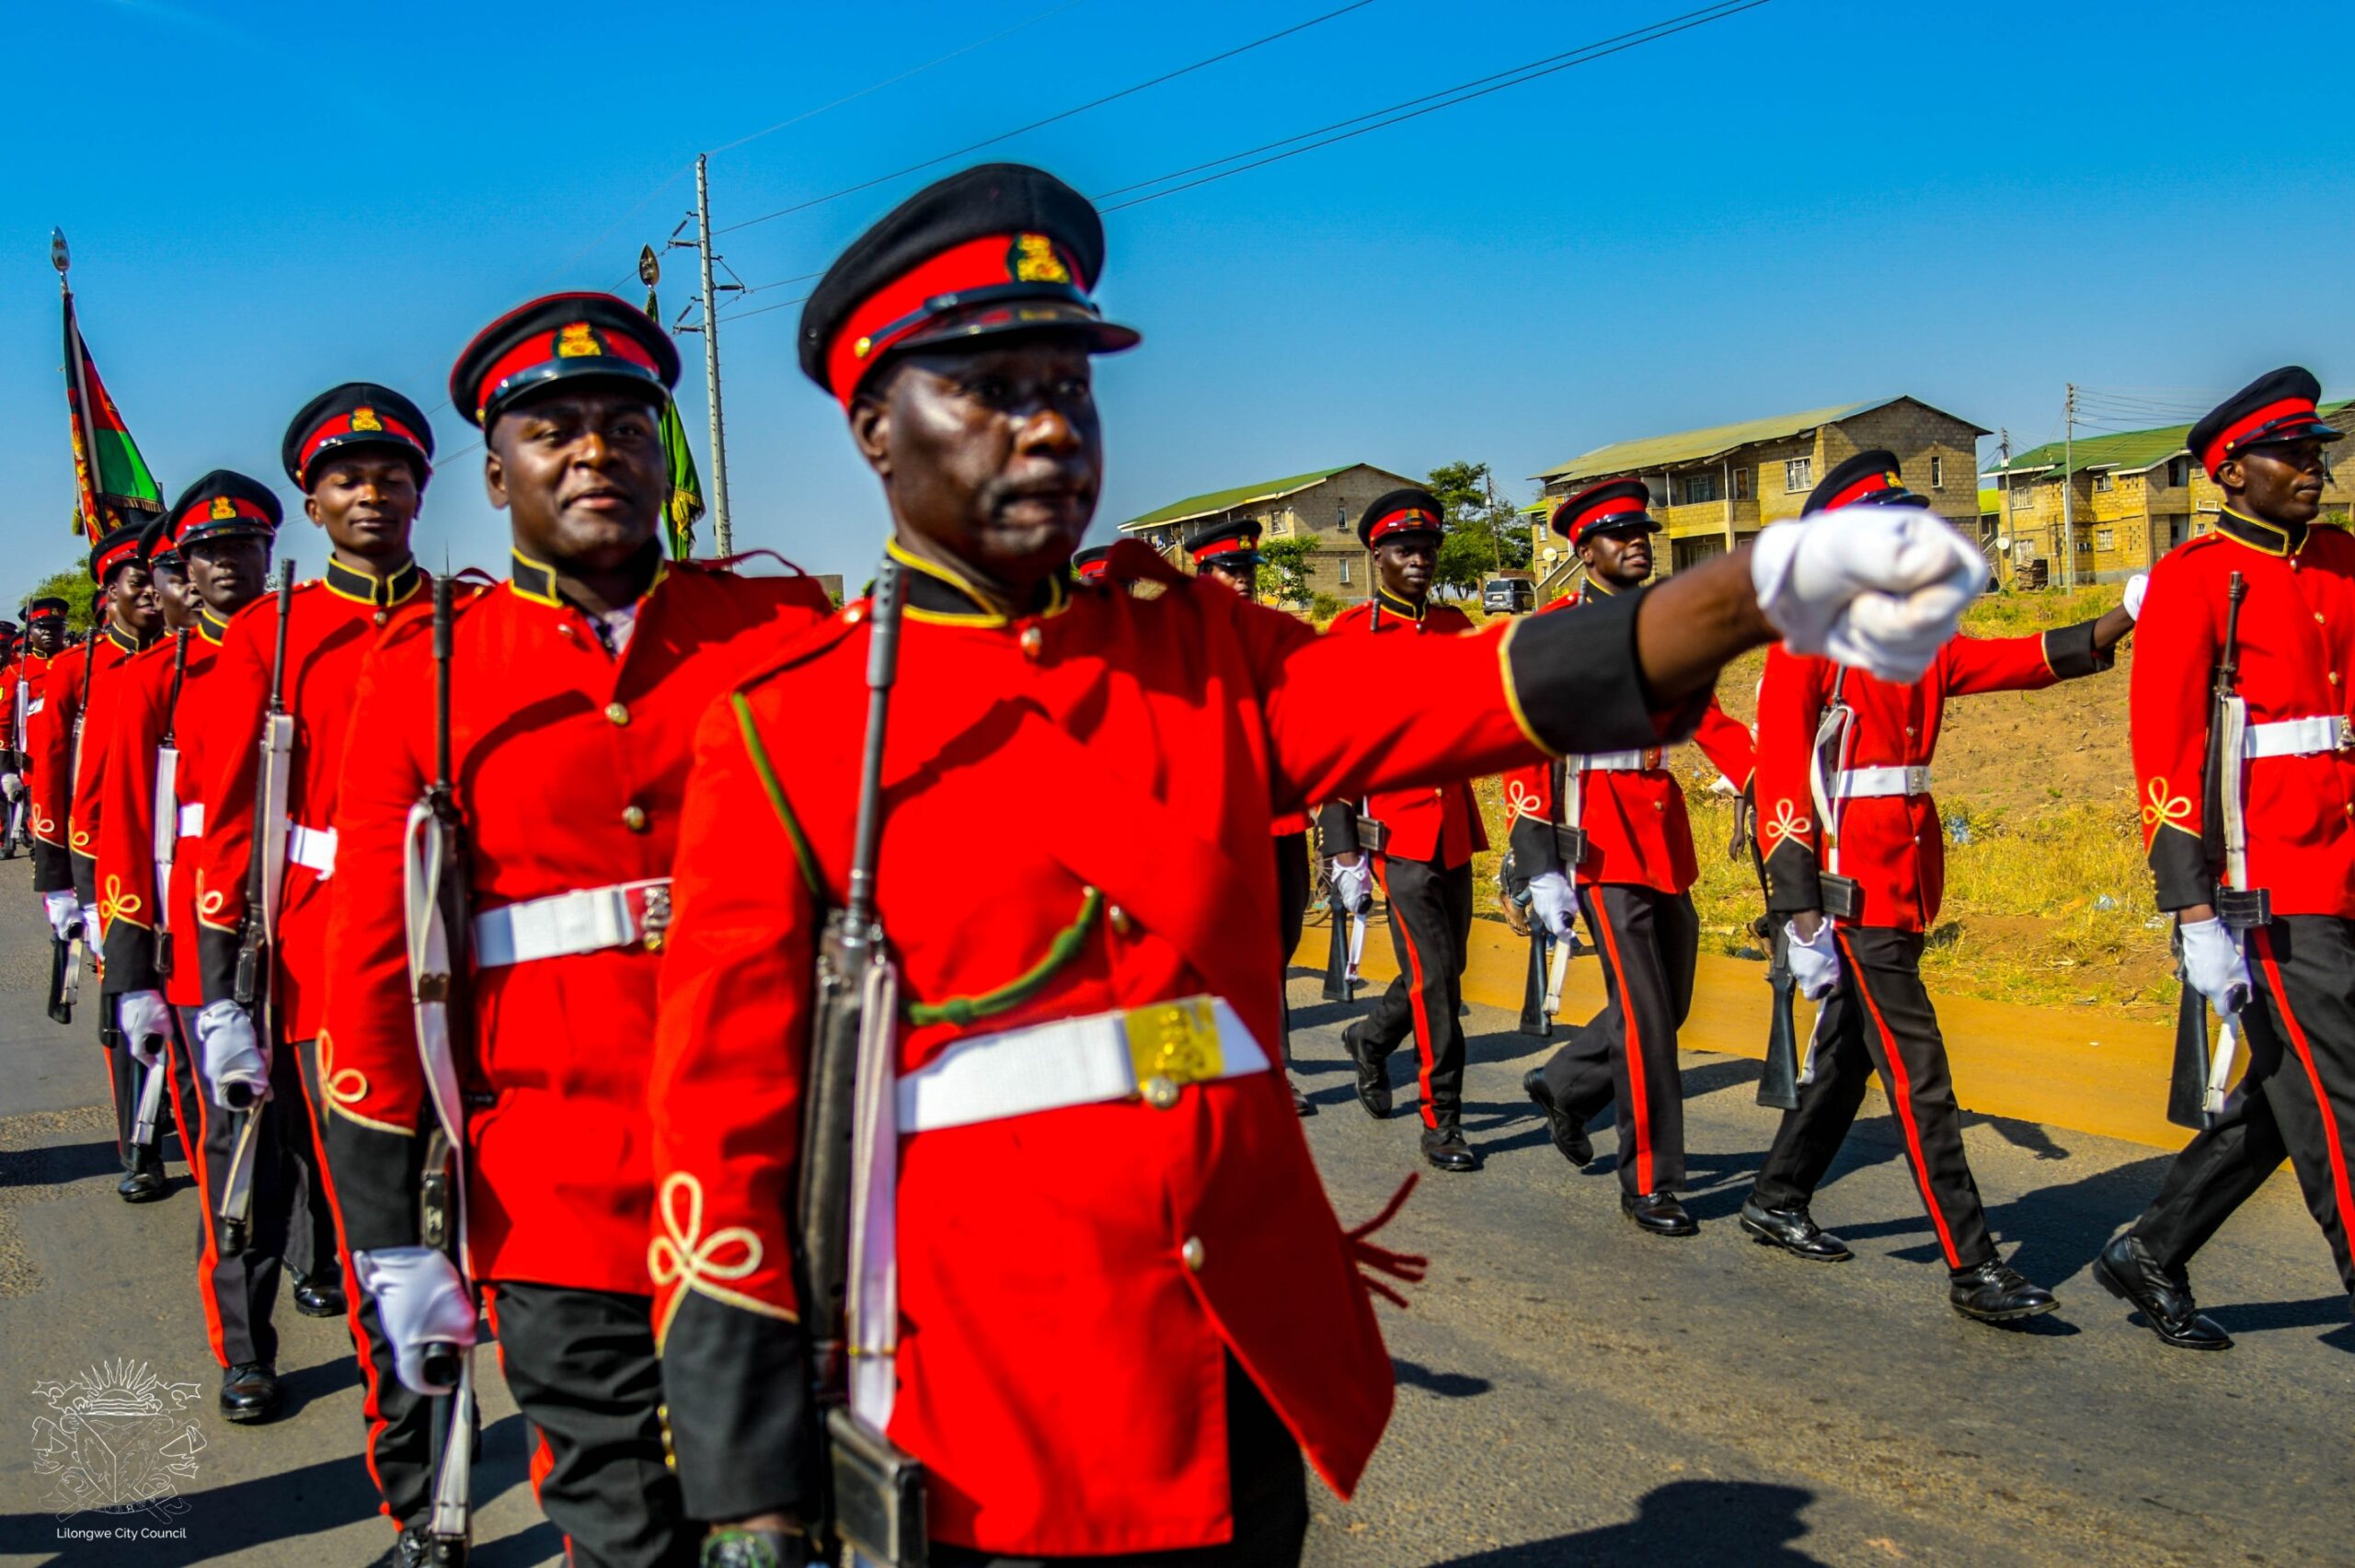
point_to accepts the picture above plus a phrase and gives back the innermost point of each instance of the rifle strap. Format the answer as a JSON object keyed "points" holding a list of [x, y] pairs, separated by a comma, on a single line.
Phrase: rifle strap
{"points": [[1061, 951], [802, 856]]}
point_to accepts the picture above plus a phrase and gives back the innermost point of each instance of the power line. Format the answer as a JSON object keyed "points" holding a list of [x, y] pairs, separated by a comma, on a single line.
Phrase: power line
{"points": [[1065, 114]]}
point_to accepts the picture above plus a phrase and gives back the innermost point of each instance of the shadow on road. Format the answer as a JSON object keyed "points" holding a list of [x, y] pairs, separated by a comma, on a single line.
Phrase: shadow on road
{"points": [[1685, 1521], [57, 1166], [1447, 1385]]}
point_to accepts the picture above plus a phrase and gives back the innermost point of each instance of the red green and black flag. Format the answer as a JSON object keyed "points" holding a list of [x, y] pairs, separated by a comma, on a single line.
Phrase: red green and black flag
{"points": [[686, 503], [110, 478]]}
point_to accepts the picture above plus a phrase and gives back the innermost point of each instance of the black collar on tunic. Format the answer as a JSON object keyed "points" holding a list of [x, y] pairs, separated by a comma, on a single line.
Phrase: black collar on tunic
{"points": [[535, 581], [938, 594], [209, 626], [122, 639], [1384, 599], [2273, 538], [367, 587]]}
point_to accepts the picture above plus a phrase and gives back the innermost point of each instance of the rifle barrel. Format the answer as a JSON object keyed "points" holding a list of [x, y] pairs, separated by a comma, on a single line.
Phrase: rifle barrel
{"points": [[882, 670], [442, 685]]}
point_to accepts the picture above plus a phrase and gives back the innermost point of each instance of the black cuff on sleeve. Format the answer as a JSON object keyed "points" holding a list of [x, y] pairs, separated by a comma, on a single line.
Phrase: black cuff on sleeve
{"points": [[2069, 650], [2179, 865], [52, 869], [1792, 882], [130, 959], [376, 1175], [1535, 848], [734, 1383], [216, 962], [1579, 686], [1337, 829], [85, 877]]}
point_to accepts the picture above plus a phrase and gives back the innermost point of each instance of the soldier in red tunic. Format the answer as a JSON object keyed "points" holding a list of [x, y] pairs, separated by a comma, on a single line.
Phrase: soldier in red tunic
{"points": [[222, 526], [1855, 863], [1124, 1306], [1634, 864], [1423, 859], [28, 686], [2266, 906], [575, 686], [362, 455]]}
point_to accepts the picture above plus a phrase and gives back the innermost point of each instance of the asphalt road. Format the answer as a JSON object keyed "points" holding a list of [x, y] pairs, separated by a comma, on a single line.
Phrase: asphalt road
{"points": [[1570, 1392]]}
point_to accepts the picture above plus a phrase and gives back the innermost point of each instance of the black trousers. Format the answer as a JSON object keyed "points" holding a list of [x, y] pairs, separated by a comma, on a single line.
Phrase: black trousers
{"points": [[1627, 1054], [240, 1288], [2296, 1100], [398, 1445], [125, 1078], [581, 1364], [1270, 1500], [1880, 1019], [1292, 913], [1430, 926]]}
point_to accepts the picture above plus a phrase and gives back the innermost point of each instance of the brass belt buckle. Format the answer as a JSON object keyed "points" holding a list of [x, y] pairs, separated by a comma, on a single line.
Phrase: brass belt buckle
{"points": [[1172, 1044]]}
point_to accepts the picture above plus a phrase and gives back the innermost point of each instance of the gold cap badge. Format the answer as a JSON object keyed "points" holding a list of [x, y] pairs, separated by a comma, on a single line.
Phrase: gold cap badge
{"points": [[576, 342], [1035, 260], [366, 419]]}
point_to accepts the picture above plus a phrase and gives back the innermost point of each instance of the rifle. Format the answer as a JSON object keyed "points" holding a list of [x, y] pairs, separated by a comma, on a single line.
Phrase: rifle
{"points": [[433, 875], [2196, 1087], [251, 989], [1778, 1084], [1549, 961], [167, 847], [1344, 830], [872, 1493]]}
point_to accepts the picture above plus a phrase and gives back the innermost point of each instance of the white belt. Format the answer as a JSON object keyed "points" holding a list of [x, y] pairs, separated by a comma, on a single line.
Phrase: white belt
{"points": [[314, 847], [2298, 736], [1617, 762], [1854, 783], [564, 923], [193, 820], [1149, 1050]]}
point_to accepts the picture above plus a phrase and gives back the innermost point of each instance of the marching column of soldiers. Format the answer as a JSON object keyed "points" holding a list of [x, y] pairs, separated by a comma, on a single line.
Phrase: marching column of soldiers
{"points": [[566, 951]]}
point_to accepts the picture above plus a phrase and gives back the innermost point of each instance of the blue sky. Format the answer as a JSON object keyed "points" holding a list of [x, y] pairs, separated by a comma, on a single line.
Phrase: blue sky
{"points": [[1814, 202]]}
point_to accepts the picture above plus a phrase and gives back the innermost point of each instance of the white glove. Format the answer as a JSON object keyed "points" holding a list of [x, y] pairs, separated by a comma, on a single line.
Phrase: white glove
{"points": [[1353, 885], [1815, 965], [91, 932], [2136, 586], [1725, 786], [64, 910], [421, 1299], [2213, 967], [145, 1019], [1877, 587], [232, 1057], [13, 786], [1555, 905]]}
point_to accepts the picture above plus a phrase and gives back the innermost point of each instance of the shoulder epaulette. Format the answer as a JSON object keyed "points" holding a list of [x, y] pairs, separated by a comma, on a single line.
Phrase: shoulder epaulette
{"points": [[812, 643]]}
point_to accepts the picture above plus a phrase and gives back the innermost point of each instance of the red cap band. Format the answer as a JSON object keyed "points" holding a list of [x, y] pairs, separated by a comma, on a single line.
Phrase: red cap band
{"points": [[1596, 517], [898, 309], [1412, 519], [1238, 545], [126, 551], [2248, 425], [1089, 570], [364, 422], [1870, 485], [576, 340]]}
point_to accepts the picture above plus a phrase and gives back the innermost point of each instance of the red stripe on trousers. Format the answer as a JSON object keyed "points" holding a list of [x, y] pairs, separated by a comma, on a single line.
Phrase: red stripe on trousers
{"points": [[1631, 1044], [208, 1257], [371, 1404], [1903, 1095], [1423, 1045], [2338, 1184]]}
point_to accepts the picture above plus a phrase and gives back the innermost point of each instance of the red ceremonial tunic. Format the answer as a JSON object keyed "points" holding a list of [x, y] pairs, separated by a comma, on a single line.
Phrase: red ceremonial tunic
{"points": [[75, 689], [1071, 1281], [331, 625], [1441, 822], [1637, 830], [571, 765], [2296, 660], [1892, 845]]}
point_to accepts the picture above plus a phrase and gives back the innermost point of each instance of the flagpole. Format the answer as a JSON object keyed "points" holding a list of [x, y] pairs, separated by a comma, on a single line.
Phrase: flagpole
{"points": [[88, 481], [721, 535]]}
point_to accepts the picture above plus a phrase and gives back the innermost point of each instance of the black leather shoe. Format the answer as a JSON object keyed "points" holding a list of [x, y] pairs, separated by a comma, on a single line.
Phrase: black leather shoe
{"points": [[1657, 1214], [1795, 1230], [411, 1548], [1443, 1145], [1374, 1075], [1302, 1105], [1997, 1293], [143, 1185], [314, 1300], [249, 1393], [1569, 1136], [2128, 1271]]}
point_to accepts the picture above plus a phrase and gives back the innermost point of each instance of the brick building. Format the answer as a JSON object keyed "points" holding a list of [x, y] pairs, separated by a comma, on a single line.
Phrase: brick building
{"points": [[2128, 498], [1321, 507], [1711, 488]]}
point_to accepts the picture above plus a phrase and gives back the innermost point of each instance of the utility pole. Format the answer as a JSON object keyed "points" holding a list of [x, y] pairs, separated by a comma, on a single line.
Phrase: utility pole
{"points": [[722, 540], [2004, 447], [2069, 488]]}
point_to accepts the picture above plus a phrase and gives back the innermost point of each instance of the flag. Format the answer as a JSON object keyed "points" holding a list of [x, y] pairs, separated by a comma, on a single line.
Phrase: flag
{"points": [[110, 478], [685, 497]]}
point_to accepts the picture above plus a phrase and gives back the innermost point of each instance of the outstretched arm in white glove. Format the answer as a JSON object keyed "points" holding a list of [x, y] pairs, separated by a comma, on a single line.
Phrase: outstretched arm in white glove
{"points": [[422, 1299], [1877, 587]]}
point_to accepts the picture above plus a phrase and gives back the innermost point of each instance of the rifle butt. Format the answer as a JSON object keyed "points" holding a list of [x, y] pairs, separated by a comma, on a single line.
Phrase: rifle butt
{"points": [[2187, 1080], [1336, 958], [60, 959], [1778, 1084], [1534, 1019]]}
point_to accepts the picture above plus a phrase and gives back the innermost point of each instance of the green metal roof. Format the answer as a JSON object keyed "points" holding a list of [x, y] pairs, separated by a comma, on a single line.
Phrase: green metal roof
{"points": [[1990, 501], [1226, 501], [2125, 452], [1694, 446]]}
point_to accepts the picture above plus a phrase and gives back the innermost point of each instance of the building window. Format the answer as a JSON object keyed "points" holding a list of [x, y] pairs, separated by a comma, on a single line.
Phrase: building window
{"points": [[2178, 472], [1937, 473], [1346, 564], [2101, 483], [1741, 484], [1700, 488], [2084, 546], [2105, 539], [1798, 474]]}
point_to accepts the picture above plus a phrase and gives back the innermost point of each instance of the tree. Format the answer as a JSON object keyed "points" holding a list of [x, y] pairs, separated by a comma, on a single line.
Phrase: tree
{"points": [[1485, 533], [1288, 560], [72, 585]]}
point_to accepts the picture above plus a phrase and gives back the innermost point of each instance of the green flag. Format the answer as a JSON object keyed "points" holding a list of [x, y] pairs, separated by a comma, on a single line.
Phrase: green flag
{"points": [[686, 503], [110, 478]]}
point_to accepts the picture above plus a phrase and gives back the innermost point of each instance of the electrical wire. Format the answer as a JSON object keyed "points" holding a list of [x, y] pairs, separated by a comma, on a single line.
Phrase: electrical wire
{"points": [[1166, 76]]}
